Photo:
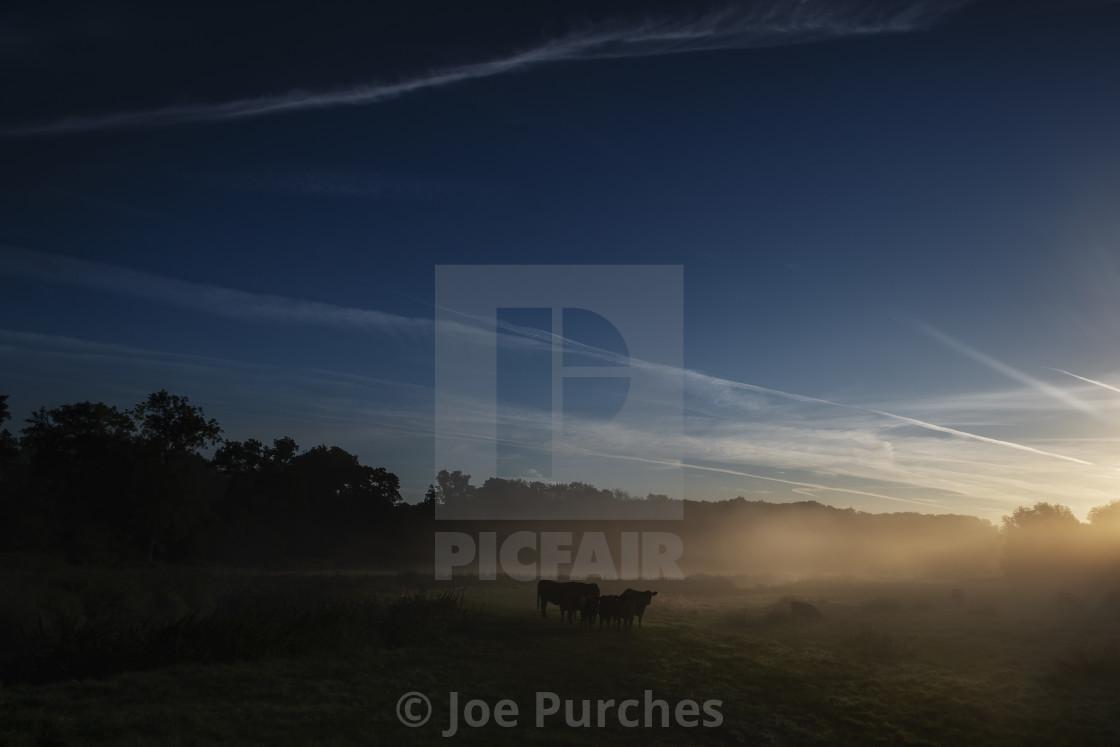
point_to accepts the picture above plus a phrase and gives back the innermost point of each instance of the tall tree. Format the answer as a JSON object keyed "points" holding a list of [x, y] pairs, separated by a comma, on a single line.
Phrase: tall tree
{"points": [[1106, 516], [180, 484], [80, 464], [173, 425], [453, 485], [1042, 540]]}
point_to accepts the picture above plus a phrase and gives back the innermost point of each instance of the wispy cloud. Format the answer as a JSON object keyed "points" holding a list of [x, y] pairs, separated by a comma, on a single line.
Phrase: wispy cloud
{"points": [[718, 389], [856, 454], [725, 383], [37, 266], [869, 452], [374, 416], [1094, 382], [734, 26], [1050, 391], [735, 429]]}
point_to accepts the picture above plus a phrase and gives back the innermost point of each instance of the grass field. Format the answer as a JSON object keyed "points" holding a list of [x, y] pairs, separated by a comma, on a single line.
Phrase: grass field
{"points": [[890, 663]]}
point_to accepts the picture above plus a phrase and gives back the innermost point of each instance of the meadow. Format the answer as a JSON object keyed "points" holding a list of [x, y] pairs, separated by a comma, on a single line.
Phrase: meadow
{"points": [[179, 656]]}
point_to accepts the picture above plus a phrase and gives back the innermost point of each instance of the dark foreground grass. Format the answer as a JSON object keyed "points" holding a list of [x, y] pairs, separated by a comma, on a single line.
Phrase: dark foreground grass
{"points": [[1003, 667], [90, 629]]}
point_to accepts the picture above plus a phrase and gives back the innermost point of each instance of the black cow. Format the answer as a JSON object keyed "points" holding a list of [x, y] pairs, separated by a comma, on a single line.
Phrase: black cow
{"points": [[588, 609], [608, 609], [641, 601], [617, 610], [564, 595], [626, 610]]}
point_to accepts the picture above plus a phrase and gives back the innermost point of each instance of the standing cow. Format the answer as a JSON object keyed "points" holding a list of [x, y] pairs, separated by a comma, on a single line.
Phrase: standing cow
{"points": [[588, 609], [608, 609], [617, 610], [640, 600], [565, 595]]}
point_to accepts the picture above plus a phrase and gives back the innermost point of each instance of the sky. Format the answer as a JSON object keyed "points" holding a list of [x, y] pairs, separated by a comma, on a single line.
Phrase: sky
{"points": [[894, 228]]}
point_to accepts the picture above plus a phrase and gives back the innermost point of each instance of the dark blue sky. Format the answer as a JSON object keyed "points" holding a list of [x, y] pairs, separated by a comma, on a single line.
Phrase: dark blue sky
{"points": [[908, 215]]}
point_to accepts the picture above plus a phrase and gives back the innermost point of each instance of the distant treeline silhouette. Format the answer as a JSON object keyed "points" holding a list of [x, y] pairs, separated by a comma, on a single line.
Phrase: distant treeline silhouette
{"points": [[97, 485]]}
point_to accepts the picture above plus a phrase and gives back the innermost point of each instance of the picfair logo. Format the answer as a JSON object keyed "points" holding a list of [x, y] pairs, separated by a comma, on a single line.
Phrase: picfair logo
{"points": [[562, 374]]}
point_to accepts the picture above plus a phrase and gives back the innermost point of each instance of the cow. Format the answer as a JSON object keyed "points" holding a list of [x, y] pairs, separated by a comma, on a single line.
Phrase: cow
{"points": [[617, 610], [641, 601], [608, 609], [626, 610], [564, 595], [588, 609]]}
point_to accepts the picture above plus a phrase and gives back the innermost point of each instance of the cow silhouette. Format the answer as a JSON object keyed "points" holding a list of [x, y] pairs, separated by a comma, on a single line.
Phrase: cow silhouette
{"points": [[565, 595], [608, 609], [641, 600], [588, 609]]}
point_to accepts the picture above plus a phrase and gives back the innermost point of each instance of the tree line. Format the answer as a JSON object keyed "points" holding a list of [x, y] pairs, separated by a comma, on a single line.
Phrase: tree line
{"points": [[94, 484]]}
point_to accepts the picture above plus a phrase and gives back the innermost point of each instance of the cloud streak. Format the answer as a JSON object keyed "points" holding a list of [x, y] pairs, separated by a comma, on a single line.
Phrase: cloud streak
{"points": [[758, 25], [722, 386], [27, 264], [212, 299], [1094, 382], [1011, 372], [882, 413], [734, 428]]}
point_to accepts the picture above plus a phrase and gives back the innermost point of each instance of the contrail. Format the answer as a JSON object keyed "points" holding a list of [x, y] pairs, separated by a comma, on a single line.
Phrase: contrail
{"points": [[212, 299], [1087, 381], [708, 380], [891, 416], [762, 24], [1014, 373], [27, 264]]}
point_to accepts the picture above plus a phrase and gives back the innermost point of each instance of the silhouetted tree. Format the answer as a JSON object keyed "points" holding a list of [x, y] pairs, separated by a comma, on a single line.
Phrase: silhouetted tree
{"points": [[453, 485], [80, 461], [238, 458], [179, 484], [1106, 517], [174, 426], [1042, 540], [332, 476], [1040, 515], [282, 451]]}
